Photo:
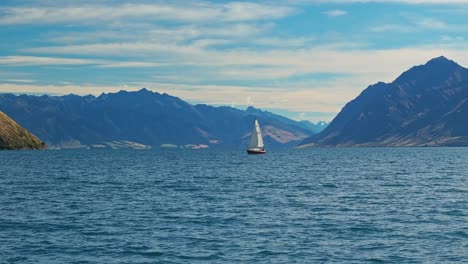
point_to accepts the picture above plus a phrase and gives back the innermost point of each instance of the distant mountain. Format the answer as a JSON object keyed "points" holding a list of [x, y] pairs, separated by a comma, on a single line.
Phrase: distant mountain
{"points": [[307, 125], [314, 127], [15, 137], [425, 106], [144, 119]]}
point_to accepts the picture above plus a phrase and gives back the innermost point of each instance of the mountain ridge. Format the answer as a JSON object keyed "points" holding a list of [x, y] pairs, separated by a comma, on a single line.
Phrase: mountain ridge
{"points": [[145, 119], [424, 106]]}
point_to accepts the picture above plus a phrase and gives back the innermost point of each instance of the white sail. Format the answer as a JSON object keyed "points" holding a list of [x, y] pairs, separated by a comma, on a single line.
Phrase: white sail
{"points": [[256, 139]]}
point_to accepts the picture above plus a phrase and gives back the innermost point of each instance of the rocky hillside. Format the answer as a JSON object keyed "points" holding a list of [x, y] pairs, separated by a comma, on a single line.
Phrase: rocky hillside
{"points": [[15, 137]]}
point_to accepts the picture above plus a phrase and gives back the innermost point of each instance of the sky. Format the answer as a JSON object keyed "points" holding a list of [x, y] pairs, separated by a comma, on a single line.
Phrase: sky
{"points": [[304, 59]]}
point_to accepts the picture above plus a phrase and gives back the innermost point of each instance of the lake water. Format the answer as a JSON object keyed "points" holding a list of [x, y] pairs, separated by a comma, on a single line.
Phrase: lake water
{"points": [[376, 205]]}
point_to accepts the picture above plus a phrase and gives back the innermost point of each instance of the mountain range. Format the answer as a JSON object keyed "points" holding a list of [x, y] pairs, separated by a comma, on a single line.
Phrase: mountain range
{"points": [[144, 119], [425, 106]]}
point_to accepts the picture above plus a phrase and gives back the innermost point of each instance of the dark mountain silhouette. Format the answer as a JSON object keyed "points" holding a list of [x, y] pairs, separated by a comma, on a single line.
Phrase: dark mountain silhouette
{"points": [[425, 106], [15, 137], [144, 118]]}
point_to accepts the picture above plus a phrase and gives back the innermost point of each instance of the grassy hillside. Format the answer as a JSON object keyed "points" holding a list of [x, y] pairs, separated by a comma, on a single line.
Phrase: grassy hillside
{"points": [[13, 136]]}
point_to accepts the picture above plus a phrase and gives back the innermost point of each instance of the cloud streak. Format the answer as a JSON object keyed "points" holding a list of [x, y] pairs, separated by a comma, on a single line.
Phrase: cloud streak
{"points": [[310, 59], [335, 13], [34, 61], [51, 61], [411, 2], [185, 12], [362, 68]]}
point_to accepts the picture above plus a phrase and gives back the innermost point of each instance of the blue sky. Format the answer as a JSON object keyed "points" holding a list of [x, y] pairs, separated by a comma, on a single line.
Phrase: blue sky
{"points": [[304, 59]]}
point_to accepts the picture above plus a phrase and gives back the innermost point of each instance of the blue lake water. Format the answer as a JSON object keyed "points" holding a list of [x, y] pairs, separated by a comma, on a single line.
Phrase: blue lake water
{"points": [[376, 205]]}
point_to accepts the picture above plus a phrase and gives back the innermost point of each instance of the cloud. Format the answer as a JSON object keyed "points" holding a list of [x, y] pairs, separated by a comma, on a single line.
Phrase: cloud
{"points": [[203, 35], [69, 37], [128, 64], [142, 42], [431, 23], [119, 49], [50, 61], [213, 52], [245, 11], [20, 80], [415, 23], [185, 12], [34, 61], [362, 68], [456, 39], [290, 42], [393, 28], [324, 58], [411, 2], [335, 13]]}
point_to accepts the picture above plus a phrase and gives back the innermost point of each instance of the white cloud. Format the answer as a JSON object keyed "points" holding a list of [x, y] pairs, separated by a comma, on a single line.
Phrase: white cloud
{"points": [[311, 59], [69, 37], [456, 39], [412, 2], [208, 43], [393, 28], [128, 64], [252, 73], [120, 49], [171, 35], [32, 61], [245, 11], [335, 13], [414, 23], [50, 61], [287, 42], [363, 67], [431, 23], [20, 80], [187, 11]]}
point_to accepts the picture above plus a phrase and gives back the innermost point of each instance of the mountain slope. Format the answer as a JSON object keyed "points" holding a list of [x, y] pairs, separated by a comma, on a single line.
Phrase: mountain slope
{"points": [[15, 137], [314, 127], [143, 118], [305, 125], [425, 106]]}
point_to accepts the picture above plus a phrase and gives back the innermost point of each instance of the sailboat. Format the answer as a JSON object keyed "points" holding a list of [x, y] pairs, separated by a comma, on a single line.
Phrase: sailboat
{"points": [[256, 140]]}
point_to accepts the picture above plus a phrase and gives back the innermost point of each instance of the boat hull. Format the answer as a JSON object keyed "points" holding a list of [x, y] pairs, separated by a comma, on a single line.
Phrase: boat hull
{"points": [[249, 151]]}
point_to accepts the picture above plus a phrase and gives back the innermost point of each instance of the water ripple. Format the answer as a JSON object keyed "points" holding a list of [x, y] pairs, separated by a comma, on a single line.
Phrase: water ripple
{"points": [[402, 205]]}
